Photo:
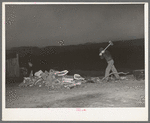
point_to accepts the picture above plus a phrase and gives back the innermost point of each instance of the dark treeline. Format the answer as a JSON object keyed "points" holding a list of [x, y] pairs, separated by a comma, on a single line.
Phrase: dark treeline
{"points": [[127, 55]]}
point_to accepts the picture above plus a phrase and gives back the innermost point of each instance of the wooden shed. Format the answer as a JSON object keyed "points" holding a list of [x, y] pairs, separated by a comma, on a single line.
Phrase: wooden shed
{"points": [[12, 66]]}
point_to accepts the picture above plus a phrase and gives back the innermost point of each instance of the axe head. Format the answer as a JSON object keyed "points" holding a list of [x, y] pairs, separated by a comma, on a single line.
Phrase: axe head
{"points": [[111, 43]]}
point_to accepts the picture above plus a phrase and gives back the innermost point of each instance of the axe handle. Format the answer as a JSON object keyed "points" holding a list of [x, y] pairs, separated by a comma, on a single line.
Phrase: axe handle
{"points": [[106, 47]]}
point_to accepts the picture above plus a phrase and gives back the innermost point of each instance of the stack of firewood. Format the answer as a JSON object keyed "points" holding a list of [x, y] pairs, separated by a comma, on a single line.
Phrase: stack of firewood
{"points": [[52, 79]]}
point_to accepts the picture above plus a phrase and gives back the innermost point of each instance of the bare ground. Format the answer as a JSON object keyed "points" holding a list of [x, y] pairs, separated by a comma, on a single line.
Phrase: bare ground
{"points": [[89, 95]]}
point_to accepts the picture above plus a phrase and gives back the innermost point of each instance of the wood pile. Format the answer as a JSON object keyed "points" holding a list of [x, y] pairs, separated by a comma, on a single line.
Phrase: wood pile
{"points": [[52, 79]]}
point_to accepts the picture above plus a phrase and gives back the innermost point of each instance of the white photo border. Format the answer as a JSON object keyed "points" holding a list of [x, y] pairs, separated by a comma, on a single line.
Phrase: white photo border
{"points": [[65, 114]]}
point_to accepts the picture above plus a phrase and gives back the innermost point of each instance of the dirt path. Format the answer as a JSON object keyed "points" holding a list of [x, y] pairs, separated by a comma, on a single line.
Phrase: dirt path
{"points": [[120, 94]]}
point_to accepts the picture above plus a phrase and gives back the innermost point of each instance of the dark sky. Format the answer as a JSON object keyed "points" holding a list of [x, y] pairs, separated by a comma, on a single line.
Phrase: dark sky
{"points": [[46, 25]]}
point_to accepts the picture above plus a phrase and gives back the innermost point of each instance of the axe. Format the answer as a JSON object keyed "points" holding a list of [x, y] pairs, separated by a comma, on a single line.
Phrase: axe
{"points": [[110, 44]]}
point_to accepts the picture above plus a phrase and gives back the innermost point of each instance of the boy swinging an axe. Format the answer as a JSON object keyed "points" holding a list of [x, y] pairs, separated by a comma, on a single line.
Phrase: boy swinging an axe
{"points": [[110, 67]]}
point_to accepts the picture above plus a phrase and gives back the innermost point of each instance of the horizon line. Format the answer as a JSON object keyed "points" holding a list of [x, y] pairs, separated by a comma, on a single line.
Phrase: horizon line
{"points": [[72, 44]]}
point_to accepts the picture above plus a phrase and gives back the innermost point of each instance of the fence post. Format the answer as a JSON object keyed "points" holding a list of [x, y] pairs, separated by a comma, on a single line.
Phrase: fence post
{"points": [[18, 71]]}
